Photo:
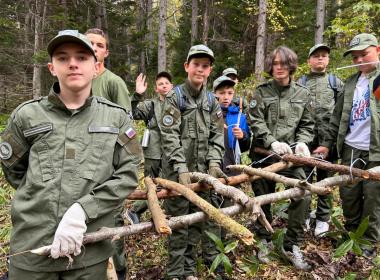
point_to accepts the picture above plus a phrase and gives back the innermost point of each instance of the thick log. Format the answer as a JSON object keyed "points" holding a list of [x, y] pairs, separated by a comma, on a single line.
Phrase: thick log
{"points": [[214, 214], [341, 169], [158, 216], [232, 181]]}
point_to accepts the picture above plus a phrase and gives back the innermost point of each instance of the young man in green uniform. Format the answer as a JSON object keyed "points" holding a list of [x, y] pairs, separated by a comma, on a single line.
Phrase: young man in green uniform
{"points": [[324, 88], [113, 88], [192, 140], [72, 159], [149, 111], [355, 127], [106, 83], [280, 117]]}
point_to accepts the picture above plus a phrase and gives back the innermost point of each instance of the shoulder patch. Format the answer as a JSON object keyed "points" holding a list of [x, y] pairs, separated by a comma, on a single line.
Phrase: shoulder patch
{"points": [[5, 150], [253, 104]]}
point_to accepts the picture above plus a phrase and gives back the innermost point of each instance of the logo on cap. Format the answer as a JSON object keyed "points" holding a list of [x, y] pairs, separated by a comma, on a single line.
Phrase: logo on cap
{"points": [[355, 41]]}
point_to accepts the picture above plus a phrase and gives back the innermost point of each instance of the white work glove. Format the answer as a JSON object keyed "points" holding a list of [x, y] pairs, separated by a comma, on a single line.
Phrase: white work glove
{"points": [[281, 148], [302, 150], [69, 234]]}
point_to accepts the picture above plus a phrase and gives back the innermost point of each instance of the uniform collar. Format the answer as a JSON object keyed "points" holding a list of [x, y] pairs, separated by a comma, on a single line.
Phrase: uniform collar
{"points": [[193, 92], [55, 101], [317, 74], [374, 72], [279, 87]]}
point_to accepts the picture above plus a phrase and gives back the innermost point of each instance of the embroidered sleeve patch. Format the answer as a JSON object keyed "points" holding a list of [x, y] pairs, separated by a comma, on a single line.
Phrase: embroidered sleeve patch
{"points": [[5, 150]]}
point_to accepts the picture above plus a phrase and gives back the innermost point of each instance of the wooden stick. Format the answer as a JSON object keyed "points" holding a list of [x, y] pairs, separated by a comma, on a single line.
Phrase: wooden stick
{"points": [[235, 194], [232, 181], [341, 169], [158, 216], [214, 214], [303, 184]]}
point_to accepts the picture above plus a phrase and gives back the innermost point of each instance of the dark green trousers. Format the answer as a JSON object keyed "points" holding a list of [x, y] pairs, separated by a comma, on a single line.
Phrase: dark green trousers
{"points": [[94, 272], [296, 212], [182, 243], [323, 208], [119, 257], [362, 199]]}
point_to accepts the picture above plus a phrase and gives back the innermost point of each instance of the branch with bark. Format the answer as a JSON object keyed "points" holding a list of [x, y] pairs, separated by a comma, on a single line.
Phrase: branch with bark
{"points": [[214, 214], [158, 216]]}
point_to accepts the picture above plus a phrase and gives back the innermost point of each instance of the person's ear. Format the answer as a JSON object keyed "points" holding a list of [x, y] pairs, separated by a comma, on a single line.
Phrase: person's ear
{"points": [[51, 69]]}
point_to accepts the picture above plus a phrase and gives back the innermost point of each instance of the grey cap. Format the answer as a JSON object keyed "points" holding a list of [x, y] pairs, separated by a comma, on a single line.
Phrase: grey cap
{"points": [[318, 47], [222, 80], [200, 49], [229, 71], [69, 36], [361, 42]]}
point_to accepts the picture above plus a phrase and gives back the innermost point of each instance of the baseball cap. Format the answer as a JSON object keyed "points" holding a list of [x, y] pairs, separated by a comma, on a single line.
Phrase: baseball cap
{"points": [[317, 47], [165, 75], [69, 36], [229, 71], [200, 49], [221, 81], [361, 42]]}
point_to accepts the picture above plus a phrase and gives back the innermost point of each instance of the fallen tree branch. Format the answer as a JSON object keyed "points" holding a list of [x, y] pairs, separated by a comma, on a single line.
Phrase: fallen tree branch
{"points": [[341, 169], [235, 194], [303, 184], [158, 216], [214, 214], [232, 181]]}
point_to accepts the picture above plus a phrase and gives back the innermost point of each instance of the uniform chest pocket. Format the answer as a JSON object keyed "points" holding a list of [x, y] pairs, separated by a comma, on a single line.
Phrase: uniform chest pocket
{"points": [[99, 156], [296, 110], [38, 137], [271, 112]]}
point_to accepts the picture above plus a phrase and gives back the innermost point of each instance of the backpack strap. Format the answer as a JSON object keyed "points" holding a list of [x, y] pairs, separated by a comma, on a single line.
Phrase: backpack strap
{"points": [[333, 85], [210, 99], [303, 80], [180, 98]]}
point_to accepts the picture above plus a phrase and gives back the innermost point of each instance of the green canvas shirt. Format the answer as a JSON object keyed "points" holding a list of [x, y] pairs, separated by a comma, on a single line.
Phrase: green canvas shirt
{"points": [[195, 137], [113, 88], [150, 112], [59, 157], [278, 113]]}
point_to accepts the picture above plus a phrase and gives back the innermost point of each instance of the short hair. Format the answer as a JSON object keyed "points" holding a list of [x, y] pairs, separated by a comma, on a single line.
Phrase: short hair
{"points": [[164, 74], [100, 32], [287, 56]]}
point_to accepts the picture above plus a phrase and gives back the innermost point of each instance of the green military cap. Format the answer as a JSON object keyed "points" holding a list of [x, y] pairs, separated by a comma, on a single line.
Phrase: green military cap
{"points": [[361, 42], [222, 80], [229, 71], [318, 47], [200, 49], [70, 36]]}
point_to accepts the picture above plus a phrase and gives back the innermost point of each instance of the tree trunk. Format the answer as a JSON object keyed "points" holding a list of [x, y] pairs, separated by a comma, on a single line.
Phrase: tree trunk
{"points": [[194, 21], [260, 41], [206, 21], [140, 27], [320, 22], [99, 14], [162, 36], [40, 11], [150, 33]]}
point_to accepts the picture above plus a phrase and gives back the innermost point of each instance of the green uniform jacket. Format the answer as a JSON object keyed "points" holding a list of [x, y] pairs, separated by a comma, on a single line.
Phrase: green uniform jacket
{"points": [[60, 157], [150, 112], [113, 88], [282, 114], [339, 123], [193, 138], [322, 96]]}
